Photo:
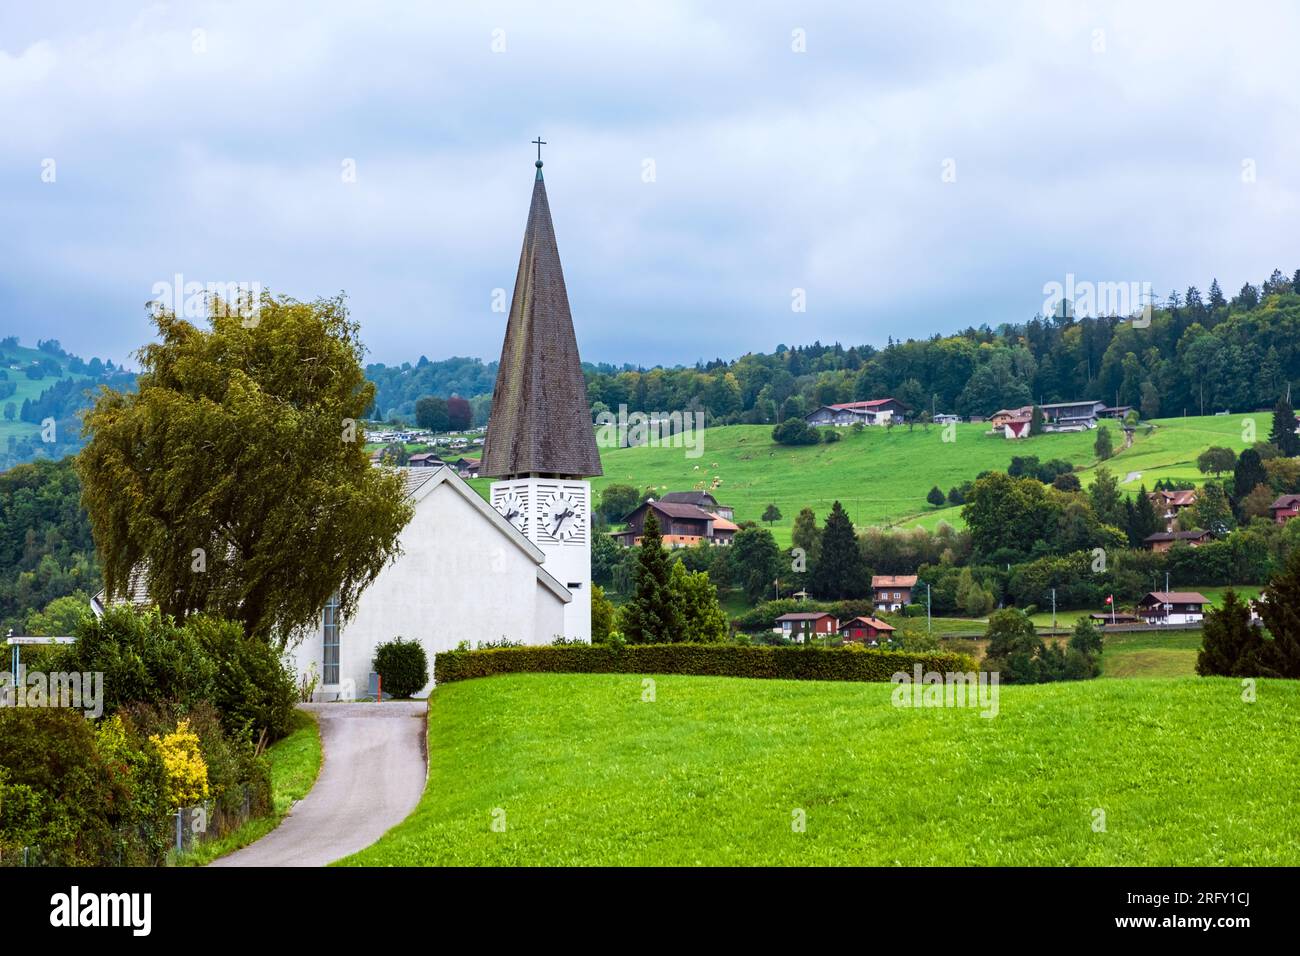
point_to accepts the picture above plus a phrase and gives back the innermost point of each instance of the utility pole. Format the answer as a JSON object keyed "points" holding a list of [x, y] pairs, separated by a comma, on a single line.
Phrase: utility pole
{"points": [[1053, 608], [928, 625]]}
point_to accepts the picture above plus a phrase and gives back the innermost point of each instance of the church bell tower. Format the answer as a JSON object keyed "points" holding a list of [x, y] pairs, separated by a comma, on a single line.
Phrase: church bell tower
{"points": [[540, 443]]}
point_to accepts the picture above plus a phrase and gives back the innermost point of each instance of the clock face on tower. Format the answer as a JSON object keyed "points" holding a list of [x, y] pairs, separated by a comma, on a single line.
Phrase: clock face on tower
{"points": [[512, 509], [562, 518]]}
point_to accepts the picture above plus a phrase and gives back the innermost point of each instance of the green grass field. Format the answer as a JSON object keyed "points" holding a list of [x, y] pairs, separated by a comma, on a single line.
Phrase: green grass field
{"points": [[715, 771], [882, 476], [26, 388], [295, 763]]}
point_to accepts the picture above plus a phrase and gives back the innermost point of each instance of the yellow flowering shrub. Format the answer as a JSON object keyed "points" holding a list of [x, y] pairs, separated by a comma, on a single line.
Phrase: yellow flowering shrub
{"points": [[187, 773]]}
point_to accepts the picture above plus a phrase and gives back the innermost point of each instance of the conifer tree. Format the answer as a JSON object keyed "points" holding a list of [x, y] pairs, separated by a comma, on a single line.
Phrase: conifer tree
{"points": [[652, 616], [1280, 609], [1283, 432], [1230, 646], [840, 571]]}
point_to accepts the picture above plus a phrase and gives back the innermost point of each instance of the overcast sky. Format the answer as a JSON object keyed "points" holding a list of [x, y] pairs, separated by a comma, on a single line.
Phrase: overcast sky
{"points": [[912, 170]]}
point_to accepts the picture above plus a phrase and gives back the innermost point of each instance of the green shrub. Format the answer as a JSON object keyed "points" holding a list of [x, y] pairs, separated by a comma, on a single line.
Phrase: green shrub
{"points": [[402, 665], [252, 687], [715, 660]]}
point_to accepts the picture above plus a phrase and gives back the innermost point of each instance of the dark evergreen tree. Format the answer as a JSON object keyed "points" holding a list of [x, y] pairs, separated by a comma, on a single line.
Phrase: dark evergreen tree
{"points": [[1248, 473], [1280, 609], [1230, 644], [935, 497], [1217, 301], [1142, 519], [840, 572], [1283, 432], [652, 616]]}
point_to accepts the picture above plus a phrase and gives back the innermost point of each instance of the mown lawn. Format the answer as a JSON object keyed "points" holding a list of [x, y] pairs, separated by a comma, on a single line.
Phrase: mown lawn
{"points": [[718, 770], [295, 763]]}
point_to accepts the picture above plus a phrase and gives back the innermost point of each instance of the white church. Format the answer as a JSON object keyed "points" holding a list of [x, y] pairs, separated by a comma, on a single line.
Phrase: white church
{"points": [[520, 567]]}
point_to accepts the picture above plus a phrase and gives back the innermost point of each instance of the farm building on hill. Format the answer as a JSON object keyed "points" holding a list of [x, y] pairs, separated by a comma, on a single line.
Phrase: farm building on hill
{"points": [[878, 411], [1057, 417], [891, 591], [1173, 607], [701, 499], [681, 525]]}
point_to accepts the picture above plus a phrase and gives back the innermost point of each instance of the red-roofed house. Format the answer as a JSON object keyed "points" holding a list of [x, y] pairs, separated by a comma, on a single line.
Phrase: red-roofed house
{"points": [[869, 629], [878, 411], [892, 591], [1285, 508], [799, 625], [1169, 504]]}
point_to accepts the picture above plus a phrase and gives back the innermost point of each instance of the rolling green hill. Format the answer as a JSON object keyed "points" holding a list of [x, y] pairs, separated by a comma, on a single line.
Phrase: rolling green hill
{"points": [[882, 476]]}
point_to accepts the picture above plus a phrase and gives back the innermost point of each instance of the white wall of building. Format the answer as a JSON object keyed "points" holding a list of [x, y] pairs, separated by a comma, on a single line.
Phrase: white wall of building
{"points": [[463, 575]]}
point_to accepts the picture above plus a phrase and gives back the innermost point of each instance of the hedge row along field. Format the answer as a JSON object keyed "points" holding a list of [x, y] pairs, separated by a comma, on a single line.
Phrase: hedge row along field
{"points": [[705, 660]]}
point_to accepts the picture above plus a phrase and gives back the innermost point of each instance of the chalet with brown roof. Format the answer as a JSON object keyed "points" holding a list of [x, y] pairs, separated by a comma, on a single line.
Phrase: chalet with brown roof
{"points": [[680, 525], [798, 626], [1169, 504], [1173, 607], [701, 499], [891, 591], [1285, 508], [870, 630], [1164, 540]]}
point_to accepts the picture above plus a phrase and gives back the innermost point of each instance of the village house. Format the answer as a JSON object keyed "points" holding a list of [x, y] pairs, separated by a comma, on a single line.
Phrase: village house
{"points": [[1164, 540], [1172, 607], [871, 630], [1057, 417], [1016, 428], [1119, 412], [424, 459], [680, 525], [701, 499], [1169, 504], [798, 626], [878, 411], [892, 591], [1285, 508], [943, 418]]}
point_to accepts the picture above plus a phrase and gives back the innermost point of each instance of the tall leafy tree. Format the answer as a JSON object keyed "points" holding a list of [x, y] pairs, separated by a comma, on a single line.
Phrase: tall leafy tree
{"points": [[754, 561], [1106, 498], [1103, 447], [840, 571], [1283, 433], [652, 616], [1142, 518], [236, 476], [431, 413], [702, 617]]}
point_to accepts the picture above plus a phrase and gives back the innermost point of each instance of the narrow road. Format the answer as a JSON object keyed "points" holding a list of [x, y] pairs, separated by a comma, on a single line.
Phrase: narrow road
{"points": [[372, 776]]}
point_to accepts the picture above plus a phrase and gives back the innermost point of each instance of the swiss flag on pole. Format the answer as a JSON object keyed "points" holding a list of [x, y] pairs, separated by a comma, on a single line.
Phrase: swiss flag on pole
{"points": [[1110, 599]]}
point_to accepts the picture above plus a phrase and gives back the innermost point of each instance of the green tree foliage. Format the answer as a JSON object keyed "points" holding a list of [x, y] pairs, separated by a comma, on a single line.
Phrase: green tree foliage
{"points": [[702, 617], [46, 548], [1106, 498], [602, 615], [618, 501], [1014, 647], [1215, 460], [1248, 473], [795, 431], [1212, 511], [61, 617], [806, 535], [1280, 609], [402, 665], [754, 562], [1103, 447], [936, 496], [652, 616], [1141, 519], [1283, 433], [1230, 645], [771, 514], [840, 571], [236, 474], [431, 413]]}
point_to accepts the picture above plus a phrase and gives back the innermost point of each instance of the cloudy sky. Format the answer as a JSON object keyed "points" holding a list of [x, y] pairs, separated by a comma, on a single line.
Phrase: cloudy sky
{"points": [[911, 170]]}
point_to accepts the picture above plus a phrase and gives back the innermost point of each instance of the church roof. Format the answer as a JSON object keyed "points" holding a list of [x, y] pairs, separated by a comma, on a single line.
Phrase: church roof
{"points": [[540, 421]]}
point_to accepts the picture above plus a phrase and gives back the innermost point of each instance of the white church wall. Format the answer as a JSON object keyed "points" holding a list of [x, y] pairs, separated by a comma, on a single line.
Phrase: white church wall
{"points": [[459, 578]]}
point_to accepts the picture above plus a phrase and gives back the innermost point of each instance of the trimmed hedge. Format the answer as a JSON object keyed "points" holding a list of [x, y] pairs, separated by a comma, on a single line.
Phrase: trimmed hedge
{"points": [[712, 660]]}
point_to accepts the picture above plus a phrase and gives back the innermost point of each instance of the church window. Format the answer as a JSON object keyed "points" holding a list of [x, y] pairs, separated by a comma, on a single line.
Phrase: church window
{"points": [[330, 622]]}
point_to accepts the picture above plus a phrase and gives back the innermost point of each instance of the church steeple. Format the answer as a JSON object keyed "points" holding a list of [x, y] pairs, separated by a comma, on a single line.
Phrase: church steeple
{"points": [[540, 422]]}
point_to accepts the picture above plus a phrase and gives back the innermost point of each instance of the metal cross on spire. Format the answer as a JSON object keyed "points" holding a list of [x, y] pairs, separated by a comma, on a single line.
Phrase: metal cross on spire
{"points": [[539, 142]]}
